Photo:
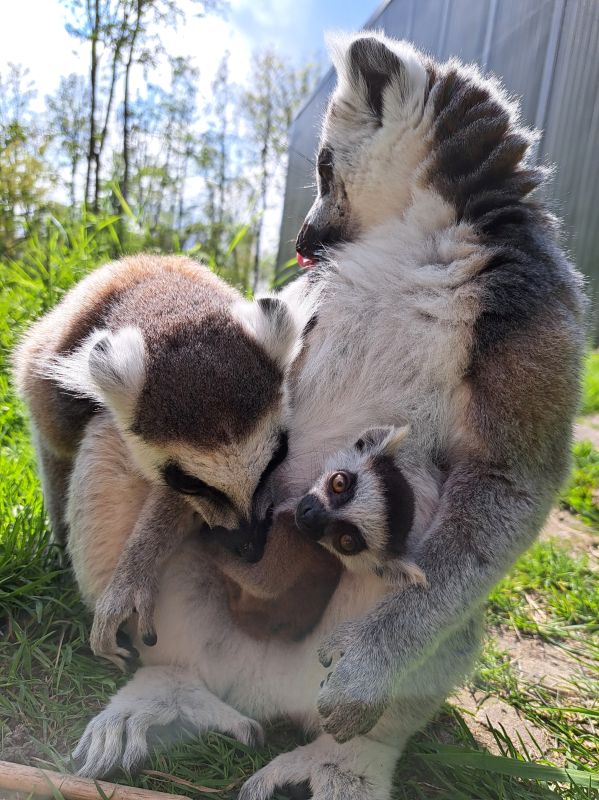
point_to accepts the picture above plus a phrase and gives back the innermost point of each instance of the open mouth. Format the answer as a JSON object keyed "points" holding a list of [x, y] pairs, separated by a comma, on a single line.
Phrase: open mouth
{"points": [[305, 262]]}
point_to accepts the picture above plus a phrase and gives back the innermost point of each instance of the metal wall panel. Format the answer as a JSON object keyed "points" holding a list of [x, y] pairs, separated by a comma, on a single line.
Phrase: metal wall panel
{"points": [[466, 30], [545, 51], [571, 140]]}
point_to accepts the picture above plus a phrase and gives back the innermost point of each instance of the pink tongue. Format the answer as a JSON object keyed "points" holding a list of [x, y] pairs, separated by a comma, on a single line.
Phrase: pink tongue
{"points": [[305, 263]]}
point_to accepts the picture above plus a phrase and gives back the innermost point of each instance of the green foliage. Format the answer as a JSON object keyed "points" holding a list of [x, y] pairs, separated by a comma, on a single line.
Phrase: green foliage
{"points": [[590, 389], [567, 585], [581, 495], [25, 176]]}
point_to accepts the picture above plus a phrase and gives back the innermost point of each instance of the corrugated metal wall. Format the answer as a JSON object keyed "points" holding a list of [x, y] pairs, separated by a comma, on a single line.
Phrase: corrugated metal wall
{"points": [[546, 52]]}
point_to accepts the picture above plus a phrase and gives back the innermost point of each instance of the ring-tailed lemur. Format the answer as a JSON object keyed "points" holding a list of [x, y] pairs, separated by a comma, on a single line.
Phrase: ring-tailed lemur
{"points": [[446, 304], [193, 376]]}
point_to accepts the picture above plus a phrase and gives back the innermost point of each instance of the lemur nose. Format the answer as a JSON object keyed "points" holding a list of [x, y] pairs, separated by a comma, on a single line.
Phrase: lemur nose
{"points": [[311, 516]]}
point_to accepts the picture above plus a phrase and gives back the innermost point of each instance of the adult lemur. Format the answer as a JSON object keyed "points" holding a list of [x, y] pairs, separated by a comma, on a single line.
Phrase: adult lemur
{"points": [[193, 377], [445, 303]]}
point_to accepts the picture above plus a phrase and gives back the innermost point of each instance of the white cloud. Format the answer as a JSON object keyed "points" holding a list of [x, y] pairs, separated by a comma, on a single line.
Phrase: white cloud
{"points": [[33, 33]]}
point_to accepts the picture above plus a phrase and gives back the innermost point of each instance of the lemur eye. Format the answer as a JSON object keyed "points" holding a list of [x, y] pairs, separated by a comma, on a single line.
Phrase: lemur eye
{"points": [[347, 543], [182, 481], [340, 482]]}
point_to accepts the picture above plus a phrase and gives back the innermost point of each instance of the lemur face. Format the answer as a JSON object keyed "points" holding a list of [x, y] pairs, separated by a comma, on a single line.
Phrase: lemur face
{"points": [[365, 155], [203, 406], [362, 506]]}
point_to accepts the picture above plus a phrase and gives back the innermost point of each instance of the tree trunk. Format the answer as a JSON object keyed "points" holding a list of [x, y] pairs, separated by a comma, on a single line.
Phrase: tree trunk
{"points": [[126, 102], [93, 87], [74, 165], [263, 192]]}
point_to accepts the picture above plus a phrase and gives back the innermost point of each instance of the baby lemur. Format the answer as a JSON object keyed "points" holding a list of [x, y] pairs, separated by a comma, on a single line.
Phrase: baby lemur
{"points": [[362, 507], [193, 376]]}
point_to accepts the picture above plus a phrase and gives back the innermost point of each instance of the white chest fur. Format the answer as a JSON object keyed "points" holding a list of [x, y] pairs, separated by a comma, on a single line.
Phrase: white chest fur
{"points": [[392, 340]]}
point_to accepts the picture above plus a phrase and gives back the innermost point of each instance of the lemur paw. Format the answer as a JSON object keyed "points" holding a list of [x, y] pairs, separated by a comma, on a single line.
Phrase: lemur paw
{"points": [[324, 770], [354, 694], [114, 606]]}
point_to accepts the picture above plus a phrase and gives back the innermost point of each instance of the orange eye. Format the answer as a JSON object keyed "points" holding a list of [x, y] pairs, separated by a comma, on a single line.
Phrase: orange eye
{"points": [[340, 482], [347, 543]]}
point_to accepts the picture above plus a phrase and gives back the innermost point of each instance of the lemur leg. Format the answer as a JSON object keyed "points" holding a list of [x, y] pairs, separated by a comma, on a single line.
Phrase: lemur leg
{"points": [[360, 770], [54, 475], [156, 696]]}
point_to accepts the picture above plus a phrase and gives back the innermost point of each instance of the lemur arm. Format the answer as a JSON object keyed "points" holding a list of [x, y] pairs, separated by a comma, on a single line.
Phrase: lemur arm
{"points": [[513, 448], [164, 521]]}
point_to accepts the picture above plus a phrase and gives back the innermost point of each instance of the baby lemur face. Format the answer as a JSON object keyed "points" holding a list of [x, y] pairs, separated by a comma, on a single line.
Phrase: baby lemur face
{"points": [[363, 506]]}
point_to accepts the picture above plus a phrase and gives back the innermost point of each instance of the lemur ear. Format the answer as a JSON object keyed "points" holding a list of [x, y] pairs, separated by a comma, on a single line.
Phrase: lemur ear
{"points": [[270, 321], [368, 64], [117, 367], [387, 439], [107, 367]]}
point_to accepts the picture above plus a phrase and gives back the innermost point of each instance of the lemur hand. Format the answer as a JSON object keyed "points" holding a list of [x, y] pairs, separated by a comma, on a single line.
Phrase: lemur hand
{"points": [[122, 597], [357, 691]]}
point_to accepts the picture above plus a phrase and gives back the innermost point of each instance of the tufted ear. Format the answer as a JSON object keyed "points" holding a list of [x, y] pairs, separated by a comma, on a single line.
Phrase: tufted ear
{"points": [[107, 367], [117, 367], [386, 439], [271, 322], [367, 64]]}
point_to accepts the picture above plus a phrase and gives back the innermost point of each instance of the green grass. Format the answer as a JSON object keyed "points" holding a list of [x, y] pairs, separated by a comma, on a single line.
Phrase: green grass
{"points": [[581, 495], [590, 394], [50, 684]]}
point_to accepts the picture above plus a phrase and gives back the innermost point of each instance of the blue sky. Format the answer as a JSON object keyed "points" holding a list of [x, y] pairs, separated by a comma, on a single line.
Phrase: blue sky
{"points": [[32, 33]]}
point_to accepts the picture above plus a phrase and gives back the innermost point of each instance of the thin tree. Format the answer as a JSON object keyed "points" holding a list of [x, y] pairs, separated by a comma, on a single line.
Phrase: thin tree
{"points": [[68, 123], [276, 92]]}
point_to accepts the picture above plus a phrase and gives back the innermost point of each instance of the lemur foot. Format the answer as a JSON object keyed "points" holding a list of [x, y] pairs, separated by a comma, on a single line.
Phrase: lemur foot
{"points": [[156, 696], [360, 770]]}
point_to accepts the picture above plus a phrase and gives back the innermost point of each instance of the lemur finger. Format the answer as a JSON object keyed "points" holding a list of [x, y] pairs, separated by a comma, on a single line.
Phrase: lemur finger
{"points": [[113, 746], [83, 742], [334, 645], [144, 603], [136, 750]]}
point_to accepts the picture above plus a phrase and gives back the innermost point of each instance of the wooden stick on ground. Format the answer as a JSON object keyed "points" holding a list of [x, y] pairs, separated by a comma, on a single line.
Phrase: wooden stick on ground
{"points": [[32, 780]]}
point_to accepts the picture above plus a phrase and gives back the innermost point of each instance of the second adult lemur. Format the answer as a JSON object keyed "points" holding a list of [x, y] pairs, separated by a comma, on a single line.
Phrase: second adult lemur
{"points": [[193, 376]]}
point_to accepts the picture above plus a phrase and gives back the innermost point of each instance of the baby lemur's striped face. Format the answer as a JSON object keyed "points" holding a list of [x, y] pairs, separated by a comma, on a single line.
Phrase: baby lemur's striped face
{"points": [[362, 507]]}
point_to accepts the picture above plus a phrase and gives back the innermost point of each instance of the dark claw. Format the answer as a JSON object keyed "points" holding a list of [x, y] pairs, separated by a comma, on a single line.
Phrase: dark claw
{"points": [[124, 640], [321, 684], [326, 663], [150, 639]]}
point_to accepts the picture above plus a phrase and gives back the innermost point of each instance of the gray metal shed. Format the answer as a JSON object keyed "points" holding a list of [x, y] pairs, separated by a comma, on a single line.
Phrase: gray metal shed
{"points": [[546, 52]]}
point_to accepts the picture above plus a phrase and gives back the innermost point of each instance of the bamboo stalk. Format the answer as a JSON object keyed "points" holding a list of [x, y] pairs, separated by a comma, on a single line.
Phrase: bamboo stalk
{"points": [[44, 782]]}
